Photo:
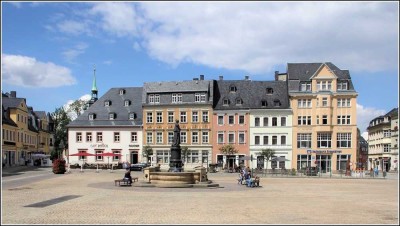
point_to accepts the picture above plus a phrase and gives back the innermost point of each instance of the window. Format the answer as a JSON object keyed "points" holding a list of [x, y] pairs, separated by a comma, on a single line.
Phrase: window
{"points": [[82, 157], [283, 140], [343, 102], [205, 137], [232, 88], [177, 98], [239, 101], [342, 86], [344, 140], [324, 120], [264, 103], [183, 117], [324, 85], [274, 140], [159, 136], [226, 102], [231, 138], [157, 98], [99, 137], [133, 136], [265, 140], [205, 156], [241, 119], [197, 97], [231, 119], [111, 116], [92, 116], [386, 147], [317, 119], [195, 116], [162, 156], [274, 121], [203, 97], [98, 155], [343, 120], [270, 91], [151, 98], [117, 155], [220, 119], [257, 121], [304, 103], [121, 92], [116, 136], [257, 140], [324, 140], [127, 103], [149, 137], [107, 103], [304, 140], [283, 121], [183, 137], [265, 121], [149, 117], [220, 137], [195, 137], [170, 137], [277, 103], [170, 117], [193, 156], [205, 116], [386, 133], [341, 162], [78, 137], [159, 117], [132, 116], [241, 138], [306, 86], [88, 137], [324, 102]]}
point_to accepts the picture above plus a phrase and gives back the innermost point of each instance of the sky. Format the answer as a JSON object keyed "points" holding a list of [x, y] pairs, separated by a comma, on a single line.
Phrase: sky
{"points": [[50, 49]]}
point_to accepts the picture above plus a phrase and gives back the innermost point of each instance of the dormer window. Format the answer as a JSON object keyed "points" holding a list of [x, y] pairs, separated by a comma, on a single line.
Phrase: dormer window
{"points": [[127, 103], [226, 102], [342, 86], [107, 103], [270, 91], [121, 92], [232, 89], [239, 101], [277, 103], [305, 86], [132, 116], [92, 116], [264, 103], [111, 116]]}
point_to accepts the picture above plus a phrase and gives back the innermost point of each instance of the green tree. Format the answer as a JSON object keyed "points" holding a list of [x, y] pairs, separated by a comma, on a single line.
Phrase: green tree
{"points": [[61, 120], [228, 149], [78, 106], [184, 152], [267, 153], [147, 152]]}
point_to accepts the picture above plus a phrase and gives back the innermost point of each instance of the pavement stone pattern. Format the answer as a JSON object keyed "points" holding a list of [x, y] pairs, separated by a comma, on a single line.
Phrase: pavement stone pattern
{"points": [[279, 200]]}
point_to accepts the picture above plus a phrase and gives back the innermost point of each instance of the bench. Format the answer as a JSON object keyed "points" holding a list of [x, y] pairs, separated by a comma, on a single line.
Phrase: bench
{"points": [[125, 181]]}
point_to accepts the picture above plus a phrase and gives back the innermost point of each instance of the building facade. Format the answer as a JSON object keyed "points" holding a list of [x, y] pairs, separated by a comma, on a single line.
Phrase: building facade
{"points": [[383, 142], [189, 102], [323, 101]]}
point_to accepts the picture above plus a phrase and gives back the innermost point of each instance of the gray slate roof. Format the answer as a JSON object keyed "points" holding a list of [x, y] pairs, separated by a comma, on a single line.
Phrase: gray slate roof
{"points": [[6, 119], [11, 102], [134, 94], [304, 71], [252, 93], [40, 114]]}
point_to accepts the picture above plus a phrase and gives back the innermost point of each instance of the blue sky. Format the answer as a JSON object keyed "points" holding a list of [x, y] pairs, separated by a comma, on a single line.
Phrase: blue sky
{"points": [[49, 49]]}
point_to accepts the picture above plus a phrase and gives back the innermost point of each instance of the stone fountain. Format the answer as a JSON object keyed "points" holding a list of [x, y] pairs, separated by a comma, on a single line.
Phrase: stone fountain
{"points": [[175, 177]]}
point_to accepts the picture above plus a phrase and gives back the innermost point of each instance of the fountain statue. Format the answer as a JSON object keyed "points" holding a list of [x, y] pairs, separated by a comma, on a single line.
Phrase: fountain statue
{"points": [[175, 164]]}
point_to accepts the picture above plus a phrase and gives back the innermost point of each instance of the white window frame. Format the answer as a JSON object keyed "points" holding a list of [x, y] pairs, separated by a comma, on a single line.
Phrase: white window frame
{"points": [[203, 97], [88, 136], [231, 137], [324, 137], [183, 117], [219, 136], [197, 97], [99, 136], [304, 140], [170, 137], [117, 137], [133, 136], [149, 137], [343, 140], [126, 103], [241, 133], [156, 98], [149, 117], [195, 137], [159, 117], [231, 122], [183, 137], [205, 139], [171, 117], [220, 122], [205, 116], [78, 137], [195, 116], [159, 137]]}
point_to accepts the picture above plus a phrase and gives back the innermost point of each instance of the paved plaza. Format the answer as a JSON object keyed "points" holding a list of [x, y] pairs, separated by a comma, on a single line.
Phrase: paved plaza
{"points": [[94, 199]]}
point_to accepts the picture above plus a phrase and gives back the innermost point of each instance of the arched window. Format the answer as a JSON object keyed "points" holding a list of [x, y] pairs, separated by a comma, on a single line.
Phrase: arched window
{"points": [[92, 116], [121, 92], [239, 101], [226, 102], [232, 88]]}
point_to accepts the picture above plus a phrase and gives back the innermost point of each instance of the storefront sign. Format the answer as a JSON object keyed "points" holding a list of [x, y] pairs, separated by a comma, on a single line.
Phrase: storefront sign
{"points": [[134, 145], [323, 151], [99, 145]]}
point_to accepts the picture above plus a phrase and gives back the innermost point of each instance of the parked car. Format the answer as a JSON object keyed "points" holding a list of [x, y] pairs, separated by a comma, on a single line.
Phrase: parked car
{"points": [[311, 171], [138, 166]]}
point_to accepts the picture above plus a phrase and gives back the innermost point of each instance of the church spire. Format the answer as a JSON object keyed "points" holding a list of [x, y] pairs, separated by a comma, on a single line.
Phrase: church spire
{"points": [[94, 88]]}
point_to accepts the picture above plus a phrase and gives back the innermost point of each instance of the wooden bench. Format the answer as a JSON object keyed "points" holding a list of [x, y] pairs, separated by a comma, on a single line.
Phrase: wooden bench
{"points": [[125, 181]]}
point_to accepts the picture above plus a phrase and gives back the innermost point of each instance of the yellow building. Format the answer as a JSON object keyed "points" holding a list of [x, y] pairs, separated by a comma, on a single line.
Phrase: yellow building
{"points": [[190, 102], [8, 145], [323, 101]]}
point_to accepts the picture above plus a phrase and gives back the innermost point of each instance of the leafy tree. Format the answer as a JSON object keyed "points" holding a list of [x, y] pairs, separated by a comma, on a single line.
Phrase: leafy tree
{"points": [[228, 149], [184, 152], [61, 120], [78, 106], [267, 153], [147, 152]]}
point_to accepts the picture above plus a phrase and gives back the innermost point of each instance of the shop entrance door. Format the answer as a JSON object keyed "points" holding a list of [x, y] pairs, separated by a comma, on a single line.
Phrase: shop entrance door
{"points": [[134, 157]]}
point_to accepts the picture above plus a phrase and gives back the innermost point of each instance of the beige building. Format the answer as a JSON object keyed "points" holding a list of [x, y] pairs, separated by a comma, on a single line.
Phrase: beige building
{"points": [[323, 101], [383, 142]]}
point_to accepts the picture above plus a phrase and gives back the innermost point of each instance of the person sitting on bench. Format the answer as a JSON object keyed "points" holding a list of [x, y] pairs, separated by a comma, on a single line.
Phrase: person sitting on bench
{"points": [[128, 176]]}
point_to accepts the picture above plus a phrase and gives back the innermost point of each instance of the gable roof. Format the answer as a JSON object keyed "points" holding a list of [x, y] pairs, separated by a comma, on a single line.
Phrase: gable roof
{"points": [[40, 114], [176, 86], [11, 102], [134, 94], [6, 119], [252, 93]]}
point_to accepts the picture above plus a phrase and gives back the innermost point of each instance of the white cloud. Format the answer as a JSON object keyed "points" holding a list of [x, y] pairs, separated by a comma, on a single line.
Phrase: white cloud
{"points": [[67, 106], [365, 115], [16, 4], [28, 72], [107, 62], [72, 27], [74, 52]]}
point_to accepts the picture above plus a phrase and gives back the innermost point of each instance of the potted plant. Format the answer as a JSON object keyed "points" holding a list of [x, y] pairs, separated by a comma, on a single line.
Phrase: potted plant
{"points": [[59, 166]]}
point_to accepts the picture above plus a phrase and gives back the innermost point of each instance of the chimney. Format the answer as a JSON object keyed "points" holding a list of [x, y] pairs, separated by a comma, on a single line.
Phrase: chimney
{"points": [[13, 94], [201, 77], [276, 75], [221, 77], [246, 77]]}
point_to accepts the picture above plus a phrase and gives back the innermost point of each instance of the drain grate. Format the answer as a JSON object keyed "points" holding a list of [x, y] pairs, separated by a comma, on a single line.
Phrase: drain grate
{"points": [[53, 201], [17, 189]]}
